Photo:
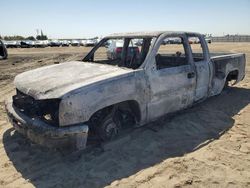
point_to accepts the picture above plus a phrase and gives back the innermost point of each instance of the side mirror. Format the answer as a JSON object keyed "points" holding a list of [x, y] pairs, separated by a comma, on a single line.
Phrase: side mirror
{"points": [[3, 51]]}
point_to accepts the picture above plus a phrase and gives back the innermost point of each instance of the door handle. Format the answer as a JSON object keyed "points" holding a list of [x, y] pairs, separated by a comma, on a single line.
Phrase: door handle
{"points": [[191, 75]]}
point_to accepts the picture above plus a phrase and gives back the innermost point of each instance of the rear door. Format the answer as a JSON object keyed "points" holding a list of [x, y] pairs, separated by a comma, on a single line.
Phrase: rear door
{"points": [[172, 79], [200, 58]]}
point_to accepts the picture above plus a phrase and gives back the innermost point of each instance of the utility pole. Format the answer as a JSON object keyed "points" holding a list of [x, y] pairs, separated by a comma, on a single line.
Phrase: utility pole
{"points": [[37, 32]]}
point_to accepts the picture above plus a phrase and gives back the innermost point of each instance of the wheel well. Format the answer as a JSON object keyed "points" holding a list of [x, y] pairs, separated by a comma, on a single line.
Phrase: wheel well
{"points": [[135, 108], [233, 75], [130, 105]]}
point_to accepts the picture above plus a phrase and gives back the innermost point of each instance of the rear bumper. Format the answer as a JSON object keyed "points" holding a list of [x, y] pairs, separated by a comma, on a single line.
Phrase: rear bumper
{"points": [[72, 137]]}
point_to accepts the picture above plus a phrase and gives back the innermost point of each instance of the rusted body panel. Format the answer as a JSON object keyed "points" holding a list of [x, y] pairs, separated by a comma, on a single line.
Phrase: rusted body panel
{"points": [[85, 88]]}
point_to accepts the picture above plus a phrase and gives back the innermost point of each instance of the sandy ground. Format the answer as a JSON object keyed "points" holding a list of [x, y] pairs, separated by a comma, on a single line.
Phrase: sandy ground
{"points": [[205, 146]]}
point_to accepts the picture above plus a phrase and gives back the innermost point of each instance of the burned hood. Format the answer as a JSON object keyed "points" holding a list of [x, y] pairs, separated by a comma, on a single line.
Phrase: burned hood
{"points": [[55, 81]]}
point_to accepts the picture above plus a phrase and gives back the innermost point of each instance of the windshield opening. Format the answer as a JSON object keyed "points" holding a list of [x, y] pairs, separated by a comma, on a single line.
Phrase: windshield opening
{"points": [[123, 52]]}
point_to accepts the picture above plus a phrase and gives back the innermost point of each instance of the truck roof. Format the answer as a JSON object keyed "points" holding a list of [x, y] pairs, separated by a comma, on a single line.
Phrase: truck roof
{"points": [[148, 34]]}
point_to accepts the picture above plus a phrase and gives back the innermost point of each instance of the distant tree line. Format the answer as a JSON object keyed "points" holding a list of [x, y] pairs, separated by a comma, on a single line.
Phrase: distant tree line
{"points": [[41, 37], [18, 37]]}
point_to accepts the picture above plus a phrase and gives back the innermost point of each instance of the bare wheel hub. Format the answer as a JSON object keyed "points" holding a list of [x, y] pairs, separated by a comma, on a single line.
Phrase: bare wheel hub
{"points": [[111, 129]]}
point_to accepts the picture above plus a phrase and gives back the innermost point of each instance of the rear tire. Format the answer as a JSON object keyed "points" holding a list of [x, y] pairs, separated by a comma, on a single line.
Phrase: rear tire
{"points": [[229, 84], [226, 85]]}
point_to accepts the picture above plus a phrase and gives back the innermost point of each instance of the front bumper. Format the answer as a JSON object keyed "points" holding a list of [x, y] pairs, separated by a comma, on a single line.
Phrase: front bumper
{"points": [[71, 137]]}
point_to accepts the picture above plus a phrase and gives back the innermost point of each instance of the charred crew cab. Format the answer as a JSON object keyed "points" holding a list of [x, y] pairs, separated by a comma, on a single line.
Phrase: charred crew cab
{"points": [[58, 105]]}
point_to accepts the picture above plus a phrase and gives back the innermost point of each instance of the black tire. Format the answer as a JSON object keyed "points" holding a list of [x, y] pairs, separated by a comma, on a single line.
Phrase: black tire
{"points": [[109, 127]]}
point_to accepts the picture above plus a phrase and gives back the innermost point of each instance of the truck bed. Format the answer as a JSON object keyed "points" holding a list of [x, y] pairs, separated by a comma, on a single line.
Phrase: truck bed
{"points": [[228, 62], [225, 67]]}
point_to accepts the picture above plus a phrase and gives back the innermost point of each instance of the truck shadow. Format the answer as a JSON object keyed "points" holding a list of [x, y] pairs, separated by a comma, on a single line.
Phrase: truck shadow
{"points": [[171, 137]]}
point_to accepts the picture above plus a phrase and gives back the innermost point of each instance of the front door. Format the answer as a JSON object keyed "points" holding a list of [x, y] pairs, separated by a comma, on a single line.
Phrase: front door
{"points": [[172, 80]]}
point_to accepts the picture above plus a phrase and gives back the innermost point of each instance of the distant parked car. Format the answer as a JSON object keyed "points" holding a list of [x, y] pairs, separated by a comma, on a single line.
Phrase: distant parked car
{"points": [[193, 40], [3, 51], [55, 43], [166, 41], [90, 42], [27, 44], [172, 41], [12, 44], [208, 40], [139, 42], [115, 51], [65, 43], [40, 44], [98, 39], [82, 42], [75, 43]]}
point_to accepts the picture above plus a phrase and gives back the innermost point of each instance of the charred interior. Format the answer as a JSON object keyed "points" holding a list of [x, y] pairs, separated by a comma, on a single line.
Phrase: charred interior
{"points": [[46, 110]]}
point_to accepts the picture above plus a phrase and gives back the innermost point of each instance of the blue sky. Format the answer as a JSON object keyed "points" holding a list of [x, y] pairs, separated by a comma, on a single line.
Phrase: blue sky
{"points": [[79, 18]]}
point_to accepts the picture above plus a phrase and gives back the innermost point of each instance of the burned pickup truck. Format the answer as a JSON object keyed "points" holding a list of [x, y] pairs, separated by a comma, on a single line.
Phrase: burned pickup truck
{"points": [[59, 105]]}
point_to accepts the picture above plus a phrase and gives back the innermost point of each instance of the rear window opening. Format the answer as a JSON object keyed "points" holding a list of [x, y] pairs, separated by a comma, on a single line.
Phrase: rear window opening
{"points": [[197, 49], [171, 53]]}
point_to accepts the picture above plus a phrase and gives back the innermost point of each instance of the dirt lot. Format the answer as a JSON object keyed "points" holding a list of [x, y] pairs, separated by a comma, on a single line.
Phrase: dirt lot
{"points": [[205, 146]]}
